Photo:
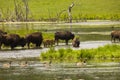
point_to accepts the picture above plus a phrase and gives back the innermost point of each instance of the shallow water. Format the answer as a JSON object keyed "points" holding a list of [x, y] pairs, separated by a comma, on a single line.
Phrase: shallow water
{"points": [[92, 37], [27, 53], [60, 71]]}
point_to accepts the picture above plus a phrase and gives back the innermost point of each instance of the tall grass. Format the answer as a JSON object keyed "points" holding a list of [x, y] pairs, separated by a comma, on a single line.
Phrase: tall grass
{"points": [[49, 9], [106, 52]]}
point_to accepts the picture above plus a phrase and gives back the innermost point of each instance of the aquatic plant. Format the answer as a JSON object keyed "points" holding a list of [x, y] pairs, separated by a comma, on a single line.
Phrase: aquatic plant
{"points": [[106, 52]]}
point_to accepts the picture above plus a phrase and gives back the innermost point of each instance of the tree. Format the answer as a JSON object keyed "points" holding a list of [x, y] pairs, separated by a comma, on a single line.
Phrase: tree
{"points": [[18, 10], [69, 12], [26, 9], [21, 10]]}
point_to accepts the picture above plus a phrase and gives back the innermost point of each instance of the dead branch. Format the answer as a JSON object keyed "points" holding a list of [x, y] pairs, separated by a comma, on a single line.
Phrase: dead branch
{"points": [[69, 12]]}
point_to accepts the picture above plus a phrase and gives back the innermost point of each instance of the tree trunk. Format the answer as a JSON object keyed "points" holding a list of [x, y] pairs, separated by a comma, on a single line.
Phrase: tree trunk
{"points": [[69, 12]]}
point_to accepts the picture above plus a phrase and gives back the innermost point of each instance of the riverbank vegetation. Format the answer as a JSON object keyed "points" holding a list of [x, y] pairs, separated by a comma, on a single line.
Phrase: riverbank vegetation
{"points": [[100, 53], [52, 10], [85, 32]]}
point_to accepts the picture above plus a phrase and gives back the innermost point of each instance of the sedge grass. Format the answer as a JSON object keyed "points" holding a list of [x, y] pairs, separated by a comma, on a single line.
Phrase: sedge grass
{"points": [[106, 52]]}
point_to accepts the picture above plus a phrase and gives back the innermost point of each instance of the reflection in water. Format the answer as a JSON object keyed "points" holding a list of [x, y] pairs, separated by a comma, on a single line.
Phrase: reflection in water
{"points": [[61, 71]]}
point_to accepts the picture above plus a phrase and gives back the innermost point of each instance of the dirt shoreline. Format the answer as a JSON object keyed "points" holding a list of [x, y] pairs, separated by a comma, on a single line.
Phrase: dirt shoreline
{"points": [[89, 22], [29, 53]]}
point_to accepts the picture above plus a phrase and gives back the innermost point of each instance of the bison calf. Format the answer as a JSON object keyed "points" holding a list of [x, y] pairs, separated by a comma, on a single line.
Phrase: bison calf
{"points": [[76, 42], [48, 42]]}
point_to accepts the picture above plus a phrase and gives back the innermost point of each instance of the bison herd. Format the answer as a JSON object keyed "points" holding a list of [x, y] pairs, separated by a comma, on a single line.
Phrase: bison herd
{"points": [[14, 40]]}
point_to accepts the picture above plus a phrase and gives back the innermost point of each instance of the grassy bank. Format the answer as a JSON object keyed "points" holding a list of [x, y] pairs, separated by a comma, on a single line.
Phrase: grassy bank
{"points": [[106, 52], [50, 9]]}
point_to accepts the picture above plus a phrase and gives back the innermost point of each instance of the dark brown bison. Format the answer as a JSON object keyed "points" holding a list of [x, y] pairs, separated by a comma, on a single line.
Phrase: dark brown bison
{"points": [[13, 40], [63, 35], [35, 38], [48, 42], [76, 42], [1, 36], [115, 35]]}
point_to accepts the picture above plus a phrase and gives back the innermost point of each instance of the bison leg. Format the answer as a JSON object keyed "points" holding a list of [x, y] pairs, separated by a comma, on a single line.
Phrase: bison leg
{"points": [[44, 44], [119, 39], [114, 40], [0, 45], [28, 44], [78, 43], [66, 42], [12, 47], [37, 45], [51, 43], [57, 42], [111, 39]]}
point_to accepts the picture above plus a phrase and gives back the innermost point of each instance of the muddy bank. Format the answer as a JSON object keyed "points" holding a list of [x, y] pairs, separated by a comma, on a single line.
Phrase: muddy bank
{"points": [[88, 22], [36, 52]]}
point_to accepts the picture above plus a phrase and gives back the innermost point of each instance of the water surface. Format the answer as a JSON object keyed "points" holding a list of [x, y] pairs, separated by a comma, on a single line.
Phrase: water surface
{"points": [[91, 36]]}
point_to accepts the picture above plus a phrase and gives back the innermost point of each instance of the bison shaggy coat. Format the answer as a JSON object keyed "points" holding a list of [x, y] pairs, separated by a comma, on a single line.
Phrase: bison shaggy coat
{"points": [[1, 36], [115, 35], [35, 38], [13, 40], [48, 42], [76, 42], [63, 35]]}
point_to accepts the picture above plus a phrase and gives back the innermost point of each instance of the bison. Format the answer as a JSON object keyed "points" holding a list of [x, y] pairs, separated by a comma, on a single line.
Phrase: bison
{"points": [[63, 35], [76, 42], [1, 36], [13, 40], [35, 38], [115, 35], [48, 42]]}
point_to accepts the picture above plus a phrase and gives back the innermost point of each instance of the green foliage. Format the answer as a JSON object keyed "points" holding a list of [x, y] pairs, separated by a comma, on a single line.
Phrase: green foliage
{"points": [[48, 10], [106, 52], [48, 35]]}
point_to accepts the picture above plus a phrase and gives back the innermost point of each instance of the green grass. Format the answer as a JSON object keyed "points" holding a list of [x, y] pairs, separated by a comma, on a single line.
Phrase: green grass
{"points": [[106, 52], [93, 37], [83, 9]]}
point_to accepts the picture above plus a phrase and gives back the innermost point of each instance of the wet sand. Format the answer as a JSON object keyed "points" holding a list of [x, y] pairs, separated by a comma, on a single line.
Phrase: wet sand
{"points": [[27, 53]]}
